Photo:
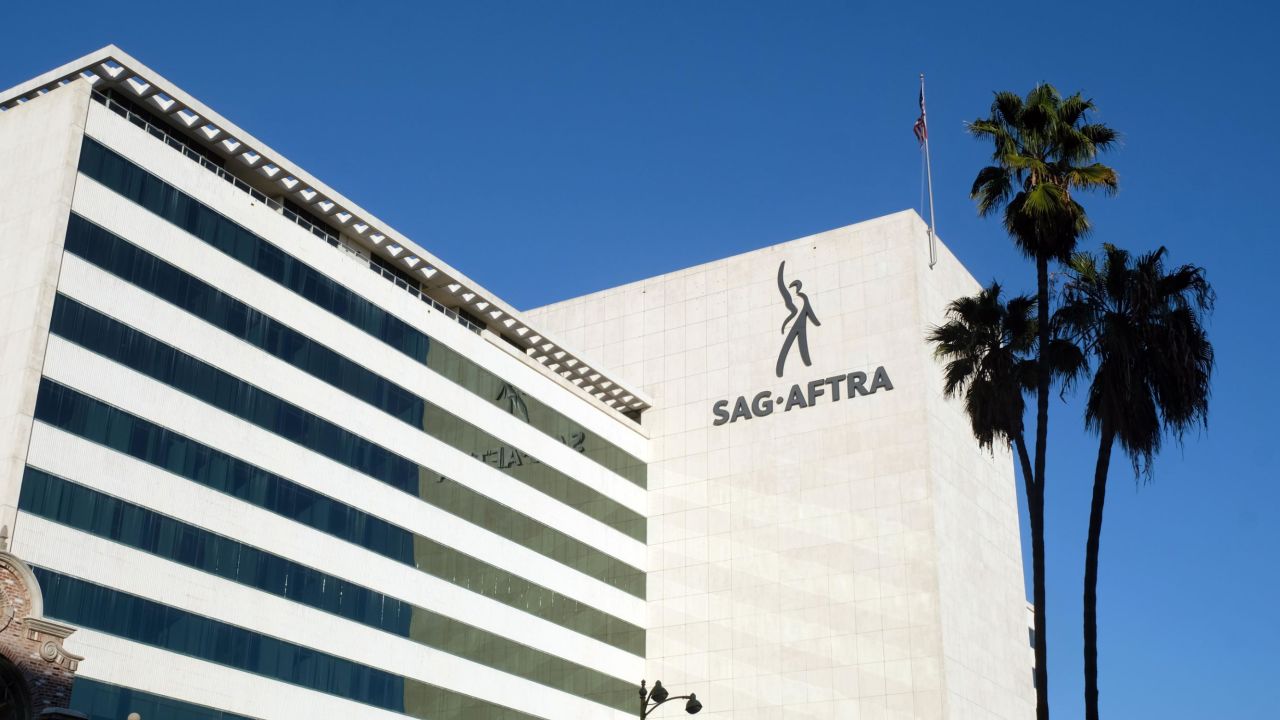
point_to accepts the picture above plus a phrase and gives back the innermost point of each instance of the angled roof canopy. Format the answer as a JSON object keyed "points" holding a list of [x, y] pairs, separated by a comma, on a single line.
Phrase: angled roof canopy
{"points": [[112, 67]]}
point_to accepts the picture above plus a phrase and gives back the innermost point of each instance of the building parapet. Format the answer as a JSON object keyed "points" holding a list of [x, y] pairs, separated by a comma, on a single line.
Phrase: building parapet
{"points": [[256, 169]]}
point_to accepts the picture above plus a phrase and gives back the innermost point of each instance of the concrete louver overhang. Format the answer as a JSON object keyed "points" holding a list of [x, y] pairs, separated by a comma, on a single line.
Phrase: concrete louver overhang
{"points": [[271, 173]]}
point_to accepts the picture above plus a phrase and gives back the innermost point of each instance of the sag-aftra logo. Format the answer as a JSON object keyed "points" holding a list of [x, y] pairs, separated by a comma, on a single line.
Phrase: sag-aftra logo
{"points": [[800, 328], [795, 328]]}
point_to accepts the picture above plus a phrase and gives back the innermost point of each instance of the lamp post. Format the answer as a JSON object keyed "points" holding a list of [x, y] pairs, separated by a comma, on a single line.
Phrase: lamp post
{"points": [[651, 699]]}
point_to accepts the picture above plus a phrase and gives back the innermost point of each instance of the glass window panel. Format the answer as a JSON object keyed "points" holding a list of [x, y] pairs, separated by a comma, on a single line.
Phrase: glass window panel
{"points": [[99, 333], [72, 412], [183, 632], [134, 183], [103, 701]]}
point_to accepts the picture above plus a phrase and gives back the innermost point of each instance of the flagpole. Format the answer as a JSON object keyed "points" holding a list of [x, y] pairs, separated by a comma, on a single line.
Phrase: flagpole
{"points": [[933, 249]]}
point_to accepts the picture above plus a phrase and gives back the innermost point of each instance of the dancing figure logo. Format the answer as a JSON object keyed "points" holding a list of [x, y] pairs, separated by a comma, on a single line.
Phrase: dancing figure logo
{"points": [[801, 316]]}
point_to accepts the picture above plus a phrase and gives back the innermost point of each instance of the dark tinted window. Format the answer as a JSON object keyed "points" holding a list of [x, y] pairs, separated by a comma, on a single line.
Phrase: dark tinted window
{"points": [[116, 341], [153, 194], [97, 422]]}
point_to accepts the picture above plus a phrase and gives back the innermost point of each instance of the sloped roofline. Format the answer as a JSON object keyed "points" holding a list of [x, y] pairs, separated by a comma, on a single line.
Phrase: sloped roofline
{"points": [[112, 67]]}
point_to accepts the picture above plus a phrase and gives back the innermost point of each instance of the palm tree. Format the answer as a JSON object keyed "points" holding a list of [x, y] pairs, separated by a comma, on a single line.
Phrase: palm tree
{"points": [[1044, 151], [1144, 329], [987, 345]]}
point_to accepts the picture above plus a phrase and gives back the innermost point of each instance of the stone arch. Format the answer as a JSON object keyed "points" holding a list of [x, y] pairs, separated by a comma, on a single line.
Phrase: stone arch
{"points": [[36, 671], [15, 693], [35, 597]]}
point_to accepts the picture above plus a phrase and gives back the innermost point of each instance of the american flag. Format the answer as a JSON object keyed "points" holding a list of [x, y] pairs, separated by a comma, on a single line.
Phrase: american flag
{"points": [[921, 129]]}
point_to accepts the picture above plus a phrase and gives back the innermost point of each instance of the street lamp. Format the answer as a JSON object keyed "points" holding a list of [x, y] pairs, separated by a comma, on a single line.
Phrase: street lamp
{"points": [[651, 699]]}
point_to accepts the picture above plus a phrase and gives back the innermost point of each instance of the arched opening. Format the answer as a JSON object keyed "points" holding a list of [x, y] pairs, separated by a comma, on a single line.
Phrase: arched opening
{"points": [[15, 696]]}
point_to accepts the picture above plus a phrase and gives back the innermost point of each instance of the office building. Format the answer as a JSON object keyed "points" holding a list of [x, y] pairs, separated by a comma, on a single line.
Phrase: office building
{"points": [[273, 459]]}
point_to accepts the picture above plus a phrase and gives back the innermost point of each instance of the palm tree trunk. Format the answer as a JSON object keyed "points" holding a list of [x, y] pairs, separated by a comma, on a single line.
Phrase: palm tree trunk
{"points": [[1035, 499], [1037, 554], [1028, 479], [1091, 575]]}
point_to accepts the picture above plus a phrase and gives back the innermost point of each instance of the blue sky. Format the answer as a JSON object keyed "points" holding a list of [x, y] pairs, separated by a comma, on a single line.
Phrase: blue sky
{"points": [[552, 149]]}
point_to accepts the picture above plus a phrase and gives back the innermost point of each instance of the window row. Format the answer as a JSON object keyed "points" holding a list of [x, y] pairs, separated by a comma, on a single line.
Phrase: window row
{"points": [[97, 422], [103, 701], [178, 208], [151, 623], [171, 284], [111, 518], [120, 343]]}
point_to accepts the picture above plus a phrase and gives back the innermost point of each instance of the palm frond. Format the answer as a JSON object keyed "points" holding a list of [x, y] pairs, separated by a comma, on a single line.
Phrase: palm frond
{"points": [[1047, 147], [1144, 328], [1007, 107], [991, 188], [987, 345], [1100, 136], [1092, 177]]}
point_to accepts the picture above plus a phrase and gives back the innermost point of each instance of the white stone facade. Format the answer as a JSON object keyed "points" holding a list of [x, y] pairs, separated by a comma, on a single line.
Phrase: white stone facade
{"points": [[853, 558], [40, 141], [832, 545], [39, 150]]}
